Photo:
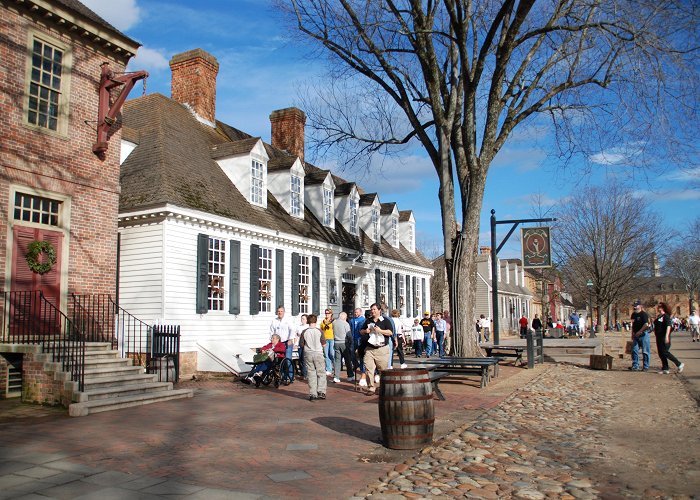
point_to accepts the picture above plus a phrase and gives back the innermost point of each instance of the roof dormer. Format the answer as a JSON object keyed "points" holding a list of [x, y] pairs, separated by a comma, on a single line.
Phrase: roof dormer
{"points": [[347, 207], [390, 223], [407, 230], [370, 209], [285, 180], [318, 193], [245, 163]]}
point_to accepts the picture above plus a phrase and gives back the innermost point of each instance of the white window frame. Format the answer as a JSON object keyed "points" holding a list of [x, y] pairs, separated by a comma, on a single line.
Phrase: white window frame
{"points": [[417, 297], [295, 200], [304, 284], [382, 287], [327, 206], [395, 231], [411, 243], [365, 294], [257, 182], [402, 293], [265, 278], [353, 216], [217, 274], [375, 224]]}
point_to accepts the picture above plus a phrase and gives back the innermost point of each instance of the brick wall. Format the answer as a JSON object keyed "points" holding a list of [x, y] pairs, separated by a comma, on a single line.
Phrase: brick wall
{"points": [[41, 384], [61, 164]]}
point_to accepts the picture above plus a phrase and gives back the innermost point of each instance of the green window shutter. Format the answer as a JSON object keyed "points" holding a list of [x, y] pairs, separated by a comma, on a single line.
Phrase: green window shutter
{"points": [[377, 286], [316, 284], [389, 291], [234, 279], [254, 282], [415, 304], [408, 300], [426, 306], [202, 273], [279, 278], [295, 284], [397, 297]]}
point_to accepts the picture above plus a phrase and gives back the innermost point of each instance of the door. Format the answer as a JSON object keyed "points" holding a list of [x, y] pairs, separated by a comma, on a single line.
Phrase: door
{"points": [[349, 298]]}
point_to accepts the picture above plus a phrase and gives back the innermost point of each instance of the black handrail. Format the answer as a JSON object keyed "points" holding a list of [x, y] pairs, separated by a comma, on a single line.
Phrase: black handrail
{"points": [[28, 317]]}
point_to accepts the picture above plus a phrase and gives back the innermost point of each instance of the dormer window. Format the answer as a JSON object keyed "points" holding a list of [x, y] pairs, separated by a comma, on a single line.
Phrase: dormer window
{"points": [[353, 217], [327, 206], [411, 238], [257, 182], [375, 224], [295, 200], [395, 231]]}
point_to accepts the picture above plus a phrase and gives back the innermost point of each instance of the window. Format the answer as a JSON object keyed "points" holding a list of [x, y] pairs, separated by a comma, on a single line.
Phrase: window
{"points": [[411, 230], [382, 287], [265, 278], [375, 224], [295, 201], [401, 299], [31, 208], [353, 217], [327, 206], [257, 182], [217, 272], [45, 85], [417, 294], [304, 284], [365, 294], [395, 231]]}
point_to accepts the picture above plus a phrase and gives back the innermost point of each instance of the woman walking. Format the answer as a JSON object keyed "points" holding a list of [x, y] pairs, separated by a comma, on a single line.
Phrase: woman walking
{"points": [[662, 330]]}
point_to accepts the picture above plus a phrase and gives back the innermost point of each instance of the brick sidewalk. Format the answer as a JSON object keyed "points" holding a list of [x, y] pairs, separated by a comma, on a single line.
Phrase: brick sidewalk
{"points": [[228, 438]]}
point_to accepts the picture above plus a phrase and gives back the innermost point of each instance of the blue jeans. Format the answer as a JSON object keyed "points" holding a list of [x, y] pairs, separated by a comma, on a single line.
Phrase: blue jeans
{"points": [[428, 343], [302, 365], [441, 343], [391, 352], [418, 348], [288, 355], [644, 342], [329, 353]]}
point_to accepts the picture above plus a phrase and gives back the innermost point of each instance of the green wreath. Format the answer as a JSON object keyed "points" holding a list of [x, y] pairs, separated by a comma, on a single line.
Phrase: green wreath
{"points": [[34, 250]]}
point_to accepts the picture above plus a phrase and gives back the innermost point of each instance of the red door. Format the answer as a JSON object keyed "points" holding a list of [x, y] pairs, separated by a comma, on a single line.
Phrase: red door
{"points": [[24, 279]]}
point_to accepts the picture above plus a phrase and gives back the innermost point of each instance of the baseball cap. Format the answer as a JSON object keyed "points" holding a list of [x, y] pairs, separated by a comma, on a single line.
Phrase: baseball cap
{"points": [[426, 312], [637, 303]]}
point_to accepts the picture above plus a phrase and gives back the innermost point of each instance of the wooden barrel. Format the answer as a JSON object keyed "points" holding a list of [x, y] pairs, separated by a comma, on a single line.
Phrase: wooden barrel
{"points": [[406, 411]]}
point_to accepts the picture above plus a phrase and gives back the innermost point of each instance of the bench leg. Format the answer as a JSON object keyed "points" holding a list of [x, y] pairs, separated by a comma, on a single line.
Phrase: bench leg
{"points": [[437, 391]]}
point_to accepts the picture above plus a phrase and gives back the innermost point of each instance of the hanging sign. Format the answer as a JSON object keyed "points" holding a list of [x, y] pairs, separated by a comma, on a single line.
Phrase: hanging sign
{"points": [[537, 251]]}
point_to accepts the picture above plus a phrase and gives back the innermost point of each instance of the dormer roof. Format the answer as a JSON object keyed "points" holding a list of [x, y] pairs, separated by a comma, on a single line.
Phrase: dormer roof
{"points": [[234, 148], [368, 199], [281, 163], [405, 215], [316, 177], [388, 208], [345, 188]]}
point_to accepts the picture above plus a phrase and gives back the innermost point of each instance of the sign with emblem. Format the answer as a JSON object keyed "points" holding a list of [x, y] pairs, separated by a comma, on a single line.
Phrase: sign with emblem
{"points": [[537, 251]]}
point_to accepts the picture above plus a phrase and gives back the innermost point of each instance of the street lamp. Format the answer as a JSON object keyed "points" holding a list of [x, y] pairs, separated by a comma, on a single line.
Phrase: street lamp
{"points": [[590, 305]]}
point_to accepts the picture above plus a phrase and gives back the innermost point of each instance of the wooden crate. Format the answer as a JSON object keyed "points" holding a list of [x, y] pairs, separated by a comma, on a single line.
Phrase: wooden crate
{"points": [[599, 362]]}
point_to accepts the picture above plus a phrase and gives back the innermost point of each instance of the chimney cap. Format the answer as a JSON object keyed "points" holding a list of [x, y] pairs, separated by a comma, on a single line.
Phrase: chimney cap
{"points": [[193, 54]]}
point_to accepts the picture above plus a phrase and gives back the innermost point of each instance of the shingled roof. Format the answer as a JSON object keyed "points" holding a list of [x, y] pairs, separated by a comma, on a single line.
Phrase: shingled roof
{"points": [[174, 164]]}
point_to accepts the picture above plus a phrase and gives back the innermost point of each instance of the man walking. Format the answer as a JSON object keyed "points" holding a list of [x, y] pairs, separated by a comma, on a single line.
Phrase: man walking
{"points": [[377, 331], [523, 326], [428, 333], [343, 345], [440, 329], [283, 327], [356, 323], [694, 324], [641, 337]]}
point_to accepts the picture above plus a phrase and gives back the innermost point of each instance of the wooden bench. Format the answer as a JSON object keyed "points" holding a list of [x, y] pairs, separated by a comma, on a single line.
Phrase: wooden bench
{"points": [[504, 351], [469, 366], [435, 378]]}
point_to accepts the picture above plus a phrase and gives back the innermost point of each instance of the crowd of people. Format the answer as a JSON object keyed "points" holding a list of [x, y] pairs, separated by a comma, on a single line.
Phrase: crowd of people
{"points": [[362, 345]]}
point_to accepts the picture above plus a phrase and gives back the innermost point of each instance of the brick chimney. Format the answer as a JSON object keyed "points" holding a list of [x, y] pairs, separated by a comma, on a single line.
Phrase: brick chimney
{"points": [[194, 82], [288, 130]]}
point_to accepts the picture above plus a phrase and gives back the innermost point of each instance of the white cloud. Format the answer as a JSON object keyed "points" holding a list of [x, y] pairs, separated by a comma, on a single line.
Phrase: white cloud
{"points": [[522, 159], [685, 175], [149, 59], [391, 175], [122, 14]]}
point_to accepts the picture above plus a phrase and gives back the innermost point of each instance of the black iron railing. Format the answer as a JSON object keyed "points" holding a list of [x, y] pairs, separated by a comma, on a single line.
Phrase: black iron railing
{"points": [[164, 356], [29, 318]]}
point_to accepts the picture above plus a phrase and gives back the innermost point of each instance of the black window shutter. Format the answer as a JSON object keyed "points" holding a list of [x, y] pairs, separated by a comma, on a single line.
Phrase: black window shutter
{"points": [[316, 285], [202, 273], [279, 279], [422, 291], [254, 282], [415, 299], [408, 300], [397, 279], [234, 279], [377, 286], [295, 284], [389, 291]]}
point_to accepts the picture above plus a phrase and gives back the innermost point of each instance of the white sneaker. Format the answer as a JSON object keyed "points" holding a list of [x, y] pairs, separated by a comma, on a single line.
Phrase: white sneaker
{"points": [[376, 379], [664, 372], [336, 380], [363, 382], [404, 365], [680, 367], [329, 373], [351, 379]]}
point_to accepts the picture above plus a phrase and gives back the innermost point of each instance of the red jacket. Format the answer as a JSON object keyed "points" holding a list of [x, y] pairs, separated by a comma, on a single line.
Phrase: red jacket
{"points": [[280, 349], [523, 322]]}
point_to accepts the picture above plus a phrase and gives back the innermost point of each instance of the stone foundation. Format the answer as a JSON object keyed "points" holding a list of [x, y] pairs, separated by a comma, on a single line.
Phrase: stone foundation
{"points": [[188, 364], [4, 367]]}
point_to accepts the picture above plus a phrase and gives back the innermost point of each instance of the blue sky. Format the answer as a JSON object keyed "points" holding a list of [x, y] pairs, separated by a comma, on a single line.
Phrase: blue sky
{"points": [[261, 71]]}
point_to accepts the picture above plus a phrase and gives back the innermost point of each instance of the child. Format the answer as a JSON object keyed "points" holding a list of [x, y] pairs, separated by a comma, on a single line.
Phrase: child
{"points": [[312, 341], [417, 336]]}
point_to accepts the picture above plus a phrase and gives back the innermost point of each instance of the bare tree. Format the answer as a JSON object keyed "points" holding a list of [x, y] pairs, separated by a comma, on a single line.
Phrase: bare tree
{"points": [[606, 236], [459, 76], [683, 262]]}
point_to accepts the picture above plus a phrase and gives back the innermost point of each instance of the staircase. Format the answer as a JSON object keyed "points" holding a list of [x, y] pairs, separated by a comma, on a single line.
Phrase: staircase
{"points": [[112, 383]]}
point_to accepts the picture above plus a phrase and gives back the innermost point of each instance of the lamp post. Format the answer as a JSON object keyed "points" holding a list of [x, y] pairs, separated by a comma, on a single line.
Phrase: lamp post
{"points": [[589, 284]]}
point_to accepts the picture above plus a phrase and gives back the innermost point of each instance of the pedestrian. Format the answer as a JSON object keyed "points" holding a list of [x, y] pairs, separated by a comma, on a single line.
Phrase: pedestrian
{"points": [[662, 329], [303, 325], [523, 322], [428, 333], [329, 347], [377, 330], [485, 327], [282, 326], [343, 344], [398, 337], [313, 341], [417, 337], [356, 323], [581, 326], [440, 329], [640, 336], [274, 350], [694, 324], [478, 329], [537, 323]]}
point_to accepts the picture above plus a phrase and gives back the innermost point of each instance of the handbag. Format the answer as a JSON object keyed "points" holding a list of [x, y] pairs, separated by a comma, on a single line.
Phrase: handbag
{"points": [[261, 357]]}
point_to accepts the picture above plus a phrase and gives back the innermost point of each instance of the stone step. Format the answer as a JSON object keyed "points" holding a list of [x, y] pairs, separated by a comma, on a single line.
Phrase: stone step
{"points": [[100, 405], [121, 390], [118, 380], [108, 371], [101, 354], [93, 364]]}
